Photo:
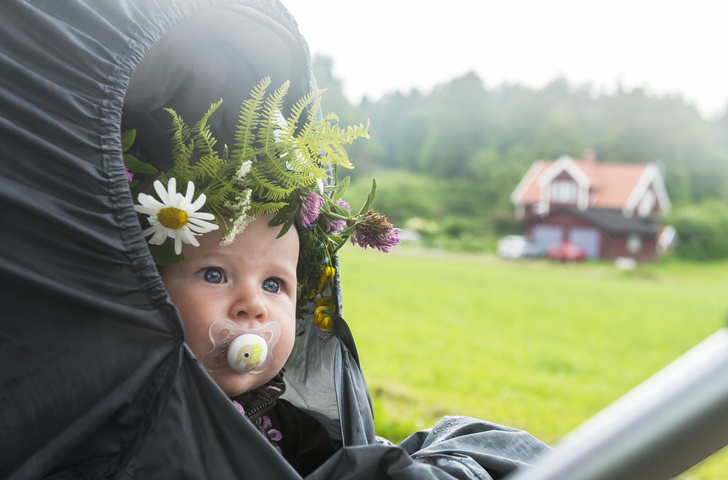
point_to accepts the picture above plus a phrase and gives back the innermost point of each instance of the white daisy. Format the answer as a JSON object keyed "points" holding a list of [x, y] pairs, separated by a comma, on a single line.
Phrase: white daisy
{"points": [[175, 216]]}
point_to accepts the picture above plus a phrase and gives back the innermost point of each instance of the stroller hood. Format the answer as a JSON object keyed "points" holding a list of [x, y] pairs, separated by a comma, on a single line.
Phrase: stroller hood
{"points": [[97, 381], [96, 375]]}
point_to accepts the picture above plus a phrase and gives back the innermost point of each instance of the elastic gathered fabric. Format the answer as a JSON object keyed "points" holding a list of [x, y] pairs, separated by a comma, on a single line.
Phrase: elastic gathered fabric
{"points": [[97, 381]]}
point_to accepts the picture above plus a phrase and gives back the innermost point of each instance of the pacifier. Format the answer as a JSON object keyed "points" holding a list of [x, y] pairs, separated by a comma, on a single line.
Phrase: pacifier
{"points": [[245, 350]]}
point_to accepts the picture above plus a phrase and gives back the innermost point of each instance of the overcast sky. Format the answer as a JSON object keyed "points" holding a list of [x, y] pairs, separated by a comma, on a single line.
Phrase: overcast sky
{"points": [[666, 47]]}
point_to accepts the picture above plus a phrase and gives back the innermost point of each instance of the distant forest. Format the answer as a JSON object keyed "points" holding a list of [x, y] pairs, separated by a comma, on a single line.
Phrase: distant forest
{"points": [[447, 161]]}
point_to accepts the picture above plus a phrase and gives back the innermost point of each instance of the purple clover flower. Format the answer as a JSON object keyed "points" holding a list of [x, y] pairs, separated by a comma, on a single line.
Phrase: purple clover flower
{"points": [[333, 225], [129, 175], [311, 203], [342, 203], [376, 232]]}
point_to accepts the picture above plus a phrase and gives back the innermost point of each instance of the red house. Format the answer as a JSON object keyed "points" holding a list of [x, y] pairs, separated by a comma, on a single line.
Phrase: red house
{"points": [[608, 209]]}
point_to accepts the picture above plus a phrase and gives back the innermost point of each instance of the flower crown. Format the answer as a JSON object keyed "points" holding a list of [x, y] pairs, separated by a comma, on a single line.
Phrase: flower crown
{"points": [[286, 166]]}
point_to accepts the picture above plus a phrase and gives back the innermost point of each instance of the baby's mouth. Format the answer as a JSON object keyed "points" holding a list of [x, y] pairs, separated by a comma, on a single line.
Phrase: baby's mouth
{"points": [[244, 350]]}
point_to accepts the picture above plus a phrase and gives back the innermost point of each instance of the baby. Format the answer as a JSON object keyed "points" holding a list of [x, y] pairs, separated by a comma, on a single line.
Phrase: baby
{"points": [[250, 246], [252, 282]]}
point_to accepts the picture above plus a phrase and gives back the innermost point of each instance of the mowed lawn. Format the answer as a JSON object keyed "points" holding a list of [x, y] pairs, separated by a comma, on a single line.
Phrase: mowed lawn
{"points": [[529, 344]]}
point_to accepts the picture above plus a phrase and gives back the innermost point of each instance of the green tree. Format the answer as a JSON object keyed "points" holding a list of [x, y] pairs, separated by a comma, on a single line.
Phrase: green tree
{"points": [[702, 229], [467, 146]]}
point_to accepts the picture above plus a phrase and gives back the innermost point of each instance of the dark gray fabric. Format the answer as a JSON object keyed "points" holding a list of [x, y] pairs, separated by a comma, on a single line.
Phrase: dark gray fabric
{"points": [[96, 381], [457, 447]]}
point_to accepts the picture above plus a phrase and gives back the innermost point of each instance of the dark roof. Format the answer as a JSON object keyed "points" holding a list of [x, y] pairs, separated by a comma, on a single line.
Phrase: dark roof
{"points": [[612, 221]]}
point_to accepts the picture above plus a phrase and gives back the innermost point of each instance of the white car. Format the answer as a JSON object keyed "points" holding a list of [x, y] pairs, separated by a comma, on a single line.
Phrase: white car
{"points": [[518, 246]]}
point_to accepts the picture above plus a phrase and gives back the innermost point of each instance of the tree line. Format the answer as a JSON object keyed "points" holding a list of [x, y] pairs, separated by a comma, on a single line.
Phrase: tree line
{"points": [[450, 158]]}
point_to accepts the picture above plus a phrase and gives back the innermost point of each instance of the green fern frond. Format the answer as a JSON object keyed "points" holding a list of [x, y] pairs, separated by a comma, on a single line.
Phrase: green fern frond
{"points": [[266, 188], [207, 167], [217, 202], [182, 147], [270, 121], [258, 208], [307, 164], [248, 120], [202, 134], [309, 102], [280, 169]]}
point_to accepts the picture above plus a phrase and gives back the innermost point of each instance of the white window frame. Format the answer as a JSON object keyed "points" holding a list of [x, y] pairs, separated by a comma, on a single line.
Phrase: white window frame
{"points": [[564, 191], [634, 243]]}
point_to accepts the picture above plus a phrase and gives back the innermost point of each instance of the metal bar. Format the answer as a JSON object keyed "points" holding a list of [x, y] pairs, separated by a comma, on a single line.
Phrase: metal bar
{"points": [[662, 427]]}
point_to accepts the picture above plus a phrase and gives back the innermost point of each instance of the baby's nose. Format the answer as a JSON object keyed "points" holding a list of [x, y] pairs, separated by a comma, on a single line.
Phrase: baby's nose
{"points": [[248, 304]]}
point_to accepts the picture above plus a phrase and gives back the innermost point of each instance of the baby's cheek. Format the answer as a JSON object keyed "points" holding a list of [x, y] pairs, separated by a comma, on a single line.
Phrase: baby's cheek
{"points": [[197, 338], [284, 348]]}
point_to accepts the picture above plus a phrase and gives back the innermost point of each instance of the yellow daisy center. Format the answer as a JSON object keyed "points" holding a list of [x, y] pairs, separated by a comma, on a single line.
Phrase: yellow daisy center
{"points": [[172, 217]]}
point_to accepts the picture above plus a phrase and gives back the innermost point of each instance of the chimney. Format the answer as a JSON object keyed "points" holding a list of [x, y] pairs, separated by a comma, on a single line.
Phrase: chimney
{"points": [[589, 156]]}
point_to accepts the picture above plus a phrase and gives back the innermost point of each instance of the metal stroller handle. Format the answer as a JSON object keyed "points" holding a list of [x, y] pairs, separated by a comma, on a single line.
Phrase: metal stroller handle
{"points": [[662, 427]]}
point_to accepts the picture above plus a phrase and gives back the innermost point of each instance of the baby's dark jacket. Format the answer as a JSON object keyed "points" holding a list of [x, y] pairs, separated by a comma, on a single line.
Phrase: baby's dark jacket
{"points": [[300, 438]]}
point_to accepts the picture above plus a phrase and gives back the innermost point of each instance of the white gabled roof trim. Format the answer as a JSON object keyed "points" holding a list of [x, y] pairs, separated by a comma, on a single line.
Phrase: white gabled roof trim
{"points": [[582, 202], [565, 164], [527, 179], [651, 176]]}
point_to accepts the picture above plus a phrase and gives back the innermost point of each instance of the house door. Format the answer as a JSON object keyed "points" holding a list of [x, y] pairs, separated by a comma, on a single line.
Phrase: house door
{"points": [[587, 238], [547, 236]]}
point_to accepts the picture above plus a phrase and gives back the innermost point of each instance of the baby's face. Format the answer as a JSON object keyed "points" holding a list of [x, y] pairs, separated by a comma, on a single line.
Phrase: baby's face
{"points": [[251, 282]]}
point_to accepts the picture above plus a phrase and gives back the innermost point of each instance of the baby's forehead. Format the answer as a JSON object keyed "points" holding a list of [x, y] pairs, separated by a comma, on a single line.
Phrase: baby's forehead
{"points": [[258, 240]]}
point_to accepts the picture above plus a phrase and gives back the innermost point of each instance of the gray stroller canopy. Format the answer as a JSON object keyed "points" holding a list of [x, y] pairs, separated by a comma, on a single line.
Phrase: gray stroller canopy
{"points": [[97, 381]]}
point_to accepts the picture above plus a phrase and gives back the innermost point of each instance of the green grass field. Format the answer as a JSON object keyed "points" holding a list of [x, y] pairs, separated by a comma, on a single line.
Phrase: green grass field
{"points": [[529, 344]]}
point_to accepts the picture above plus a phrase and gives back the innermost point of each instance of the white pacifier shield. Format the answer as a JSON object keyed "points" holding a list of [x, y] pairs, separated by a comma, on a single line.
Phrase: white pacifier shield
{"points": [[247, 352], [242, 349]]}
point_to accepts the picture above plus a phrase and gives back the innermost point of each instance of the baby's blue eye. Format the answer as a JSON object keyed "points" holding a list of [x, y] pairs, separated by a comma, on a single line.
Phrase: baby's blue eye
{"points": [[272, 285], [213, 275]]}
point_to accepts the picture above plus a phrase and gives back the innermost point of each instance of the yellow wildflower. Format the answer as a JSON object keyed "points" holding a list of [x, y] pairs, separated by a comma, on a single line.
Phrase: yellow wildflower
{"points": [[327, 274], [322, 313]]}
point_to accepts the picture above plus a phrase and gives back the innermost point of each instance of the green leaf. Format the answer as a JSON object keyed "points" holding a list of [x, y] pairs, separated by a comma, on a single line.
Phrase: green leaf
{"points": [[136, 166], [285, 214], [285, 228], [286, 217], [340, 189], [370, 198], [127, 139], [164, 254]]}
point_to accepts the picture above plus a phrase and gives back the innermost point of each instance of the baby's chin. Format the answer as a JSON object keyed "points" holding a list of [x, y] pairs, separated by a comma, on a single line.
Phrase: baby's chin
{"points": [[235, 383]]}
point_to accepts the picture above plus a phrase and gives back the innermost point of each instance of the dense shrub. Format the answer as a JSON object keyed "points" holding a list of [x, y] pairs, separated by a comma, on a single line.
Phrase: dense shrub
{"points": [[401, 195], [702, 230]]}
